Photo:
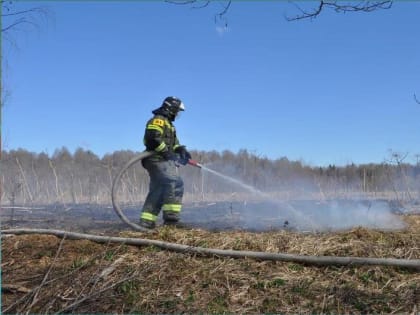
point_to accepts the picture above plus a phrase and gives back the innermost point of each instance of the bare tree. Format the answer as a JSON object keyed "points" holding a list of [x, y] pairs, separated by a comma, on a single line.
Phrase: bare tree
{"points": [[13, 18], [335, 5], [340, 7], [398, 159], [220, 16], [416, 99]]}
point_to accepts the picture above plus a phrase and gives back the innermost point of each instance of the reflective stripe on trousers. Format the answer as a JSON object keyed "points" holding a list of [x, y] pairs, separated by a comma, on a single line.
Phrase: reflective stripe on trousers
{"points": [[148, 216], [172, 207]]}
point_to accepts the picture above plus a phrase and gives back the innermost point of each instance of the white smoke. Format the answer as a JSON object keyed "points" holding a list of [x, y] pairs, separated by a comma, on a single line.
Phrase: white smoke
{"points": [[309, 215], [312, 216]]}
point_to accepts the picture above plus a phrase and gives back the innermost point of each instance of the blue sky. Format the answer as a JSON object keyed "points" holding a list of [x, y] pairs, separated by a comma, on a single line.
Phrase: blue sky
{"points": [[334, 90]]}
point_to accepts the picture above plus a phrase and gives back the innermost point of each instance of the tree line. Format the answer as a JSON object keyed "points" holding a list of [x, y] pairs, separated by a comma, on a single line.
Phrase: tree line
{"points": [[83, 177]]}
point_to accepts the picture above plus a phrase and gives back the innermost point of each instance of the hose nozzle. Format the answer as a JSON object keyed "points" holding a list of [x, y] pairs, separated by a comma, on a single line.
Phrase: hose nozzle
{"points": [[194, 163]]}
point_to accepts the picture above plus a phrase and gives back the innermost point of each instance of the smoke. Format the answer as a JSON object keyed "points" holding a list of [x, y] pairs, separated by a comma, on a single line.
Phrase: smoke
{"points": [[312, 216], [301, 215], [342, 214]]}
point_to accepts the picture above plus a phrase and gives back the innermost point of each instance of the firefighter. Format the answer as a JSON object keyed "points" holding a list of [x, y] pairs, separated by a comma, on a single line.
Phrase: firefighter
{"points": [[166, 187]]}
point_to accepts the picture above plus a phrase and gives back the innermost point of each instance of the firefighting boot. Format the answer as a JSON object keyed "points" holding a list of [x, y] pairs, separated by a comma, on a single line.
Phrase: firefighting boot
{"points": [[150, 225]]}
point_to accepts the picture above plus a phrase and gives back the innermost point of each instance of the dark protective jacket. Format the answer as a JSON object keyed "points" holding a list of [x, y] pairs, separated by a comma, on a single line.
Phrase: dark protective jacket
{"points": [[160, 134]]}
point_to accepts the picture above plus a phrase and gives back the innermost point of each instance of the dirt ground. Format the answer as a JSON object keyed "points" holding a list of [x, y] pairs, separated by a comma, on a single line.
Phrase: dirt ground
{"points": [[48, 275]]}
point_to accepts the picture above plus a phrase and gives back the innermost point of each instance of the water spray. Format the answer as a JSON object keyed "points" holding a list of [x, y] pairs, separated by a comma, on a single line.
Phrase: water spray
{"points": [[254, 190]]}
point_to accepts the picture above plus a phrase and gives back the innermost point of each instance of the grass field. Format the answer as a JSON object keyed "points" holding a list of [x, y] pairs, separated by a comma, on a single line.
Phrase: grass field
{"points": [[46, 274]]}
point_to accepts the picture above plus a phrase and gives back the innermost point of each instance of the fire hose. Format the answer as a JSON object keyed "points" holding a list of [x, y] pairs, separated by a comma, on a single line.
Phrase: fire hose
{"points": [[117, 180]]}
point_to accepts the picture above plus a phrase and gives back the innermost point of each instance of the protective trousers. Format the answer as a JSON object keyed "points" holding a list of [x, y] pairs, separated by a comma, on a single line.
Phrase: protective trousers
{"points": [[166, 189]]}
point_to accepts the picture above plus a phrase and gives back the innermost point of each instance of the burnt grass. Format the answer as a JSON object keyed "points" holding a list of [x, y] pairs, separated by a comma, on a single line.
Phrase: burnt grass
{"points": [[46, 274], [299, 215]]}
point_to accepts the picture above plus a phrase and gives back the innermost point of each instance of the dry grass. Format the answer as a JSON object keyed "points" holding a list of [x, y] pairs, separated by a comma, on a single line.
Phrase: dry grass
{"points": [[85, 277]]}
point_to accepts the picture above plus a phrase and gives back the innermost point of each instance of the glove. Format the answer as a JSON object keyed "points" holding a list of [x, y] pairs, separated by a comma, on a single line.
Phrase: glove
{"points": [[169, 156], [184, 155]]}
